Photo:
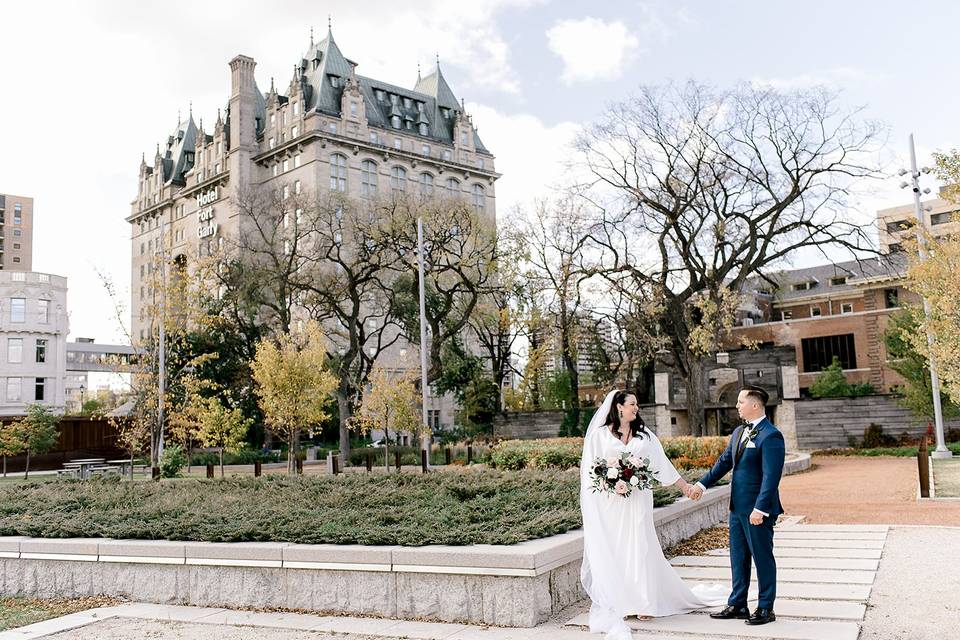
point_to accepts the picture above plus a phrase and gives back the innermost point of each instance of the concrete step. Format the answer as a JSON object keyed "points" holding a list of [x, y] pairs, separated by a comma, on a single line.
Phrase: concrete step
{"points": [[781, 629], [782, 563], [799, 533], [802, 590], [784, 575], [811, 552], [815, 609], [827, 544], [861, 528]]}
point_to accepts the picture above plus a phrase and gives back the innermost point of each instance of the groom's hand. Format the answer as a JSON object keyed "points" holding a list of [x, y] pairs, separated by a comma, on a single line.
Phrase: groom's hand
{"points": [[756, 517], [695, 492]]}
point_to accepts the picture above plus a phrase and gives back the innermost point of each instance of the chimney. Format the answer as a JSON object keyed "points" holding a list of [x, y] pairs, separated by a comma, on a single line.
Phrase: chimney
{"points": [[242, 119]]}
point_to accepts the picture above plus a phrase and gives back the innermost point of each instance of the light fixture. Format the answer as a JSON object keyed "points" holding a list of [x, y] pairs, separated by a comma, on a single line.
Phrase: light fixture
{"points": [[902, 172], [904, 185]]}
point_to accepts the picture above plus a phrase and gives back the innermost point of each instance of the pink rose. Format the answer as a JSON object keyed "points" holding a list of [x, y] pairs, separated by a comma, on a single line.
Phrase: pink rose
{"points": [[635, 461], [613, 463], [621, 487]]}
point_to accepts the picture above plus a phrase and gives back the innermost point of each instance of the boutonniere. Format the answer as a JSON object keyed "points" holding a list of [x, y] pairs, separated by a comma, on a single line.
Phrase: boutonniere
{"points": [[752, 432]]}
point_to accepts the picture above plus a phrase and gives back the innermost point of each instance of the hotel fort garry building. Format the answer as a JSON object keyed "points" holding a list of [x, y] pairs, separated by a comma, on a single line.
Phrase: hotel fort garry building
{"points": [[333, 129]]}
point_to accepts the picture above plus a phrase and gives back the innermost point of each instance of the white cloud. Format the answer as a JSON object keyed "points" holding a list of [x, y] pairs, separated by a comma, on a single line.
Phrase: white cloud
{"points": [[592, 49]]}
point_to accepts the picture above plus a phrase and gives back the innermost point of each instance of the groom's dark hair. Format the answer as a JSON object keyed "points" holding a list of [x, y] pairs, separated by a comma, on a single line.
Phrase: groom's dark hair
{"points": [[757, 394]]}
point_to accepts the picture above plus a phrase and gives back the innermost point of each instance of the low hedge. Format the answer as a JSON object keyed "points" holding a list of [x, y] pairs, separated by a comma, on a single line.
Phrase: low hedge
{"points": [[686, 452], [900, 452], [472, 506]]}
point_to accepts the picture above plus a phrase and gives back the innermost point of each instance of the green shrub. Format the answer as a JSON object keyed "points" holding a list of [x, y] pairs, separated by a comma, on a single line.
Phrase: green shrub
{"points": [[687, 452], [172, 461], [873, 437], [245, 455], [831, 383]]}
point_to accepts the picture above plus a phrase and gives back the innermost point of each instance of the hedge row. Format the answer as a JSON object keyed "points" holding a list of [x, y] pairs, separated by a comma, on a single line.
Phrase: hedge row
{"points": [[686, 452]]}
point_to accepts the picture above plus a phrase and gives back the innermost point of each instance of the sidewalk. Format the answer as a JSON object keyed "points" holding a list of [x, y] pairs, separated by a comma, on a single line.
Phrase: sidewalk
{"points": [[833, 579]]}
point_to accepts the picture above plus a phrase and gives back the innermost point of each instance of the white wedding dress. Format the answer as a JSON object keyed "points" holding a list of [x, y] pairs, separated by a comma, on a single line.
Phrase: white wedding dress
{"points": [[624, 570]]}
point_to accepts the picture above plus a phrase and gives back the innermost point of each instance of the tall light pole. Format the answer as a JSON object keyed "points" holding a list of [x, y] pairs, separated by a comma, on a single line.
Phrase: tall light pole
{"points": [[425, 438], [162, 346], [941, 451]]}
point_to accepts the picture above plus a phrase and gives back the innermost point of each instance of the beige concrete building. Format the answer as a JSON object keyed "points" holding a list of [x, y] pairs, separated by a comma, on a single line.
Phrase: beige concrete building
{"points": [[16, 232], [941, 219], [331, 130], [33, 337]]}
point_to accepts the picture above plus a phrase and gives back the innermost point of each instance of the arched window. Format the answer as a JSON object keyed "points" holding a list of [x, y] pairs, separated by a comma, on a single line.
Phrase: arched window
{"points": [[338, 172], [453, 186], [426, 184], [398, 179], [368, 178], [479, 197]]}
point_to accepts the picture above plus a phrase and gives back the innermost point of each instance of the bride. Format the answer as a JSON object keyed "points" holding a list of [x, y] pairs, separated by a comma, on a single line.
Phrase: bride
{"points": [[624, 571]]}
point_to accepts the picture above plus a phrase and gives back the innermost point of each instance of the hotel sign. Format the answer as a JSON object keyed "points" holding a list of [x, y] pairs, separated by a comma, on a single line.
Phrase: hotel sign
{"points": [[208, 227]]}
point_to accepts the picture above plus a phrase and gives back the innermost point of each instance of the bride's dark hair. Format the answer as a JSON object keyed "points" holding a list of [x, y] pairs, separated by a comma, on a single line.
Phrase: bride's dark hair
{"points": [[637, 426]]}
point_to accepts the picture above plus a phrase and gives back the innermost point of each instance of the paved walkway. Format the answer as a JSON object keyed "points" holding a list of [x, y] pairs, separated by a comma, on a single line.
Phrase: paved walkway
{"points": [[826, 574], [863, 490]]}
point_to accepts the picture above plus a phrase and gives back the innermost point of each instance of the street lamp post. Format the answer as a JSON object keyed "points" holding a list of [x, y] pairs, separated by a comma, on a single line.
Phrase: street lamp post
{"points": [[81, 398], [941, 451], [425, 439]]}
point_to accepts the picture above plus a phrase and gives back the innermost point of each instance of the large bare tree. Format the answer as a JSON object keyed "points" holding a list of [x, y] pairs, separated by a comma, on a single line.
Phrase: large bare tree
{"points": [[701, 189]]}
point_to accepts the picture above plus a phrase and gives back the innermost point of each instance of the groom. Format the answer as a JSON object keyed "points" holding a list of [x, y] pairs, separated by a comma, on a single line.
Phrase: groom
{"points": [[755, 454]]}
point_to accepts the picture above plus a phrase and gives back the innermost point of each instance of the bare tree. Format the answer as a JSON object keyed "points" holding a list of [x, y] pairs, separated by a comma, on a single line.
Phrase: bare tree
{"points": [[701, 189], [555, 238], [348, 291]]}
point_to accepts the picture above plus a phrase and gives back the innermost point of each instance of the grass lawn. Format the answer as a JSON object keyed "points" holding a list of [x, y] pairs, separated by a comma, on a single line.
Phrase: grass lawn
{"points": [[19, 612], [470, 506], [946, 477]]}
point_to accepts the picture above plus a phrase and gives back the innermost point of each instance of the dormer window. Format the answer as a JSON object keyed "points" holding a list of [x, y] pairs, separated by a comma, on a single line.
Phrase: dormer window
{"points": [[838, 281], [445, 112], [802, 286], [334, 81], [381, 96], [407, 103], [423, 129], [395, 122], [353, 108]]}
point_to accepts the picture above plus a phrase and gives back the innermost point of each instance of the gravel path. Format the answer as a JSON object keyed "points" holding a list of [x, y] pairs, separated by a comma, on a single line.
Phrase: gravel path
{"points": [[862, 490], [915, 593]]}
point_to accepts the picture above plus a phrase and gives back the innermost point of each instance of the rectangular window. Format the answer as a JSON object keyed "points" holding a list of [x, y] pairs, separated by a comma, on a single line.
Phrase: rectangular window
{"points": [[43, 311], [941, 218], [333, 127], [276, 170], [14, 350], [13, 389], [296, 185], [296, 161], [286, 191], [17, 232], [838, 281], [373, 137], [272, 142], [433, 418], [891, 298], [814, 311], [897, 227], [801, 286], [41, 350], [16, 218], [426, 149], [296, 108], [38, 391], [785, 315], [286, 165], [18, 309], [846, 307], [16, 245], [818, 353], [398, 143], [294, 132]]}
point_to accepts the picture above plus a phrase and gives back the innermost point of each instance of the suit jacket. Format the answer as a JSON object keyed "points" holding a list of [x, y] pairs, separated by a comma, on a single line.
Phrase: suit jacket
{"points": [[756, 474]]}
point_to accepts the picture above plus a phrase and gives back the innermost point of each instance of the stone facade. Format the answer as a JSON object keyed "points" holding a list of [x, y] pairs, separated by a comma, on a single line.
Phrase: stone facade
{"points": [[332, 131], [33, 336]]}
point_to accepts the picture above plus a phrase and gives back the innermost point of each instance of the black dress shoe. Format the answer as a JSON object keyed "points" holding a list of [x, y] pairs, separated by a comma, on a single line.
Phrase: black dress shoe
{"points": [[761, 616], [730, 612]]}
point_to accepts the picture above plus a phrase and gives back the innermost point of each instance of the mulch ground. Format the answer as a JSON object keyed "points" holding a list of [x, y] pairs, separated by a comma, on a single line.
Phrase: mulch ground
{"points": [[863, 490]]}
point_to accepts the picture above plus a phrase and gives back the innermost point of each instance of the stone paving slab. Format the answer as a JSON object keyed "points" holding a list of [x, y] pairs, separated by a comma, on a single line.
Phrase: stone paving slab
{"points": [[853, 528], [802, 534], [784, 575], [813, 552], [782, 563], [827, 544], [804, 590], [781, 629]]}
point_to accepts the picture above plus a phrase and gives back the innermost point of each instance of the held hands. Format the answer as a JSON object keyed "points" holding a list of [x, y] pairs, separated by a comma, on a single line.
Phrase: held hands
{"points": [[692, 491]]}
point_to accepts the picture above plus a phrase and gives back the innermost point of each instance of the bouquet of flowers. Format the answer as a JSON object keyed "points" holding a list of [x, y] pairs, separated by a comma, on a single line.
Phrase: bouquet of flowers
{"points": [[621, 475]]}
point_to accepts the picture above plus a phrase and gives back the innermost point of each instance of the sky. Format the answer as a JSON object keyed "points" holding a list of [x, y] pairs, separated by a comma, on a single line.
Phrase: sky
{"points": [[86, 87]]}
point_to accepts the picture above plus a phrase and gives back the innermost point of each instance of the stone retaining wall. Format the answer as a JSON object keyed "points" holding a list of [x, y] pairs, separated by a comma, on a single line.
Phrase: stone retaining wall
{"points": [[518, 585]]}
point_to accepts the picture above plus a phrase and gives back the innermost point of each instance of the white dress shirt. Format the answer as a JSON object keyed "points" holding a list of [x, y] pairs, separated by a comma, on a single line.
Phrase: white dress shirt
{"points": [[743, 437]]}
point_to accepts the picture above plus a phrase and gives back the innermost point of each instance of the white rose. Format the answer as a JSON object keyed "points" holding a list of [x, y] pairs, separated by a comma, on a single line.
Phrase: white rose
{"points": [[634, 480], [612, 473]]}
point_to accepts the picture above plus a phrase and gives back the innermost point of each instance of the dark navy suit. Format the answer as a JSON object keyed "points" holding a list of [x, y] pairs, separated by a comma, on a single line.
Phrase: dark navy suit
{"points": [[755, 485]]}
